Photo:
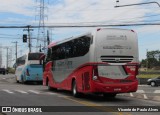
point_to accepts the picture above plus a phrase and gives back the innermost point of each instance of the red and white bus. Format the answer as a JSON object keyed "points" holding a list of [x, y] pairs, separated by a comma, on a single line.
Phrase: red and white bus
{"points": [[104, 61]]}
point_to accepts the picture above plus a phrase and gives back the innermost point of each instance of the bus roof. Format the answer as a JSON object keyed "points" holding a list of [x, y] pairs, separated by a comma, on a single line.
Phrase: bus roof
{"points": [[88, 33]]}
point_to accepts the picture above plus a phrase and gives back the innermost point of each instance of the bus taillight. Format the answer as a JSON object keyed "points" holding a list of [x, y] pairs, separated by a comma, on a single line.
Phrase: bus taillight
{"points": [[27, 72], [95, 78]]}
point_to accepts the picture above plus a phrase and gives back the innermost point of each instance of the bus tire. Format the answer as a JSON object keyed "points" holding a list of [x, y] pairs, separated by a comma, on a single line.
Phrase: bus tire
{"points": [[74, 89], [17, 81], [23, 82], [51, 88], [109, 95]]}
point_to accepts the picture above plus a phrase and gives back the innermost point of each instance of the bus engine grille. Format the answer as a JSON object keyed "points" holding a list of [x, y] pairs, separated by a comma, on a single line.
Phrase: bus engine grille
{"points": [[116, 59]]}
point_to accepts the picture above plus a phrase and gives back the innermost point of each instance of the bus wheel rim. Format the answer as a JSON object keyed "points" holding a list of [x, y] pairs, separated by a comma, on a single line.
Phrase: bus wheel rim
{"points": [[74, 89]]}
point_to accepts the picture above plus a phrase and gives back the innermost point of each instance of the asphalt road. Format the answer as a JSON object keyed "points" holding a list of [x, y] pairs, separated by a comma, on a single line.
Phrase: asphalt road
{"points": [[16, 94]]}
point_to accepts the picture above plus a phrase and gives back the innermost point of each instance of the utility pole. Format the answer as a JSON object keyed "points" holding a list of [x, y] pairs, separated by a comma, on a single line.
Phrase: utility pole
{"points": [[16, 50], [29, 37], [147, 61], [7, 59], [0, 56], [48, 40]]}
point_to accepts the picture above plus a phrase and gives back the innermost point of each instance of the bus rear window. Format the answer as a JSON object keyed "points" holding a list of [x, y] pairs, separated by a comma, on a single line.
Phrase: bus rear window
{"points": [[113, 72], [34, 56]]}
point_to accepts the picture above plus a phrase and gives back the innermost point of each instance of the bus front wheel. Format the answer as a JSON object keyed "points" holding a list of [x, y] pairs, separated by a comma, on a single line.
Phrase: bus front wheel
{"points": [[51, 88], [74, 89]]}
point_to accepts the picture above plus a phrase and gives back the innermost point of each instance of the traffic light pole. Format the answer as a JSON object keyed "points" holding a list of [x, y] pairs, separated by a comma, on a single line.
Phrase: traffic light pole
{"points": [[29, 37]]}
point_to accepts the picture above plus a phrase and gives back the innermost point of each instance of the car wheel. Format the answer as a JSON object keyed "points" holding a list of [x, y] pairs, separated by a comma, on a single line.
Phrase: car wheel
{"points": [[153, 84]]}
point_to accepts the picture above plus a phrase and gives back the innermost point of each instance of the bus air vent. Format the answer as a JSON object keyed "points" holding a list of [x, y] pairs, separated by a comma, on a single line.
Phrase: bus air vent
{"points": [[117, 59]]}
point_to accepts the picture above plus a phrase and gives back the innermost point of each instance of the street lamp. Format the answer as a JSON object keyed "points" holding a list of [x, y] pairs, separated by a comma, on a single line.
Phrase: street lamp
{"points": [[135, 4]]}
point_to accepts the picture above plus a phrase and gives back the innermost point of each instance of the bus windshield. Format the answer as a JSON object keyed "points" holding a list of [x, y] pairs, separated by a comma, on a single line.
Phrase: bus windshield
{"points": [[34, 56], [113, 72]]}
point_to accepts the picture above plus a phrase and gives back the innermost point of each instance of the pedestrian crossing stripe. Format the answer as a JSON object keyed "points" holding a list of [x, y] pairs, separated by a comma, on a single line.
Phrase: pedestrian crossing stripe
{"points": [[8, 91], [21, 91], [157, 91]]}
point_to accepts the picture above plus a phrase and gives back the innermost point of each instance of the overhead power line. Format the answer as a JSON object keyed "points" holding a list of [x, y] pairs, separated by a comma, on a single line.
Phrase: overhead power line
{"points": [[86, 25]]}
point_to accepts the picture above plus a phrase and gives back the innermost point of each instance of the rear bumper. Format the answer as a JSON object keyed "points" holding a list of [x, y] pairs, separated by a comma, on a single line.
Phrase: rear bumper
{"points": [[33, 78], [97, 87]]}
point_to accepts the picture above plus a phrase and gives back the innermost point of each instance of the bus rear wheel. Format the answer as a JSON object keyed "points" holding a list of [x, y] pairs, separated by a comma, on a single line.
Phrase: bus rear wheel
{"points": [[74, 89]]}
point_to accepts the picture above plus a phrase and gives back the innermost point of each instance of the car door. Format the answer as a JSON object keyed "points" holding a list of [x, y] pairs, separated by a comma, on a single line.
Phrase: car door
{"points": [[158, 80]]}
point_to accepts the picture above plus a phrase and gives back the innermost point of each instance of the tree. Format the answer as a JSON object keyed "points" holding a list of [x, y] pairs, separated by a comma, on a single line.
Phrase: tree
{"points": [[153, 59]]}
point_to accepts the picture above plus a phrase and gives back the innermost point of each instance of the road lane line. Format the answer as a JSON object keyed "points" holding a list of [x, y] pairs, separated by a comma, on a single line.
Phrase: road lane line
{"points": [[97, 106], [21, 91], [36, 92], [50, 93], [8, 91]]}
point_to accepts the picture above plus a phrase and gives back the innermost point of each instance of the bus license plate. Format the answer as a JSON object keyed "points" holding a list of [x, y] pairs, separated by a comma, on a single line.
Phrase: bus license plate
{"points": [[117, 89], [36, 78]]}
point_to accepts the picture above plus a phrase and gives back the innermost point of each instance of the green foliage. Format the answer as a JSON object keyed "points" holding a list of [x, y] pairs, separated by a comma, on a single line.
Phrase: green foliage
{"points": [[153, 59], [11, 70]]}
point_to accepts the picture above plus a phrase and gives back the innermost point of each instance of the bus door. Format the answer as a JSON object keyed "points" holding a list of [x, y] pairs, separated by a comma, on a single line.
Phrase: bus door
{"points": [[84, 78]]}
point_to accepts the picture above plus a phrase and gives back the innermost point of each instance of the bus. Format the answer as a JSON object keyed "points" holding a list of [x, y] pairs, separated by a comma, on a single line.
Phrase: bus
{"points": [[104, 61], [28, 68]]}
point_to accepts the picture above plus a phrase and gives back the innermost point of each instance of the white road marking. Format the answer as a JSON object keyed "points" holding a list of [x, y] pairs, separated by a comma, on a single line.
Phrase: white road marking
{"points": [[145, 96], [63, 96], [8, 91], [50, 93], [143, 85], [36, 92], [21, 91], [131, 94], [140, 91], [157, 91], [3, 78]]}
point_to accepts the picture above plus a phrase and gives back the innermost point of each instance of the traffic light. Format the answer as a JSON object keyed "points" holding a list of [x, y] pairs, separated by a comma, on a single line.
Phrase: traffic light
{"points": [[24, 37]]}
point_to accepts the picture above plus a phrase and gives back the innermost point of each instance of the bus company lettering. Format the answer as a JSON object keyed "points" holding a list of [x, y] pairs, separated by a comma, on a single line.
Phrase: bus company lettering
{"points": [[114, 37], [117, 47], [63, 63]]}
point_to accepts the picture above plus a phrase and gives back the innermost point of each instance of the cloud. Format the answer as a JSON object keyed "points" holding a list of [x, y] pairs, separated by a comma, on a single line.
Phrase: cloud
{"points": [[93, 11], [24, 7]]}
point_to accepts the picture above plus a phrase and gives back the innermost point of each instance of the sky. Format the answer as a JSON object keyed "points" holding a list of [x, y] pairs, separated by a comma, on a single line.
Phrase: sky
{"points": [[80, 12]]}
